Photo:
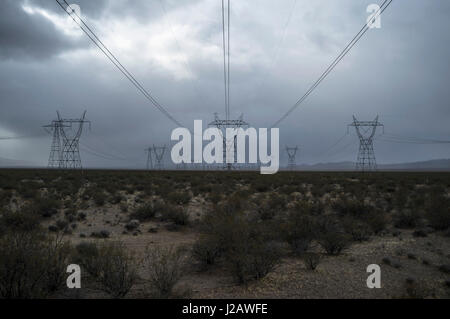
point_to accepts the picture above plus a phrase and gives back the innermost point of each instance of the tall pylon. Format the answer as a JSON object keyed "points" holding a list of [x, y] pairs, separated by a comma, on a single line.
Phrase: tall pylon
{"points": [[65, 152], [366, 131], [222, 125], [54, 160], [292, 153], [228, 145], [149, 158], [155, 157]]}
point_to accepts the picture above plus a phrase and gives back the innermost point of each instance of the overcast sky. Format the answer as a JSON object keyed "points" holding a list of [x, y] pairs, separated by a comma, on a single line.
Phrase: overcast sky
{"points": [[400, 72]]}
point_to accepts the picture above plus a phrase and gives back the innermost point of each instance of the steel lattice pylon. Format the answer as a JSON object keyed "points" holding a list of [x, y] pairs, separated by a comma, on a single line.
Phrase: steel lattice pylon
{"points": [[222, 125], [156, 152], [64, 152], [54, 160], [292, 153], [366, 131]]}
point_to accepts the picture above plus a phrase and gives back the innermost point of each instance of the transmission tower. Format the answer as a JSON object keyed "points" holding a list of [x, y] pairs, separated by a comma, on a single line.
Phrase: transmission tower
{"points": [[292, 153], [65, 152], [366, 131], [222, 125], [155, 157], [54, 160], [149, 158]]}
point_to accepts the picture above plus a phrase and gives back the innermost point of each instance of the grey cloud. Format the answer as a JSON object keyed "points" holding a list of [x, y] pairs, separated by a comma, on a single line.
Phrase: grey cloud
{"points": [[24, 36]]}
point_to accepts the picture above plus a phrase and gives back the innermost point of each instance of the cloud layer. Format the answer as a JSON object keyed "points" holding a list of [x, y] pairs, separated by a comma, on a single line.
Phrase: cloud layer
{"points": [[278, 49]]}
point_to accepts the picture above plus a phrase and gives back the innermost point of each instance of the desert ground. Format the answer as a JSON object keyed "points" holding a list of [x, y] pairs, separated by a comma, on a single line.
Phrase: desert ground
{"points": [[161, 234]]}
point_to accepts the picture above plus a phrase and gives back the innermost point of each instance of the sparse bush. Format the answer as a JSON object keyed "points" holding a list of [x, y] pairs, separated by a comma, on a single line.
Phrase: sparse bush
{"points": [[165, 269], [179, 197], [46, 206], [109, 264], [177, 214], [298, 232], [118, 270], [132, 225], [99, 197], [87, 256], [62, 224], [53, 228], [148, 211], [206, 251], [377, 221], [252, 259], [100, 234], [117, 198], [359, 231], [311, 260], [445, 268], [333, 241], [439, 213], [414, 289], [81, 216], [31, 265], [18, 221], [387, 261], [407, 218], [57, 254]]}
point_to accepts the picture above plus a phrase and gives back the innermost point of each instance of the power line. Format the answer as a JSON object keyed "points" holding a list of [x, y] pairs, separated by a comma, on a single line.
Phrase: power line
{"points": [[275, 55], [177, 42], [392, 140], [225, 69], [229, 72], [332, 146], [94, 38], [352, 43], [415, 139]]}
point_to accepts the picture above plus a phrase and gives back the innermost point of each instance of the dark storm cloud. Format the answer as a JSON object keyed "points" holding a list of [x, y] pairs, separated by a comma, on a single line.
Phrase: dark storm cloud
{"points": [[28, 36]]}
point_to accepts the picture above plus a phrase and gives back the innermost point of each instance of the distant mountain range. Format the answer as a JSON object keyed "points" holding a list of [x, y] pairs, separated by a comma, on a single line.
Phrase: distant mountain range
{"points": [[432, 165]]}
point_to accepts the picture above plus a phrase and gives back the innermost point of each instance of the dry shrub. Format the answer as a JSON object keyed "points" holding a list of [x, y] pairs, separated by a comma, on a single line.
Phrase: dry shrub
{"points": [[206, 251], [165, 268], [32, 265], [109, 264], [252, 259], [311, 260]]}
